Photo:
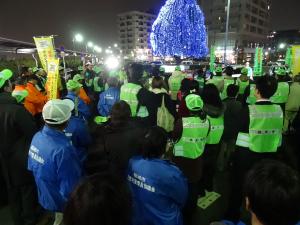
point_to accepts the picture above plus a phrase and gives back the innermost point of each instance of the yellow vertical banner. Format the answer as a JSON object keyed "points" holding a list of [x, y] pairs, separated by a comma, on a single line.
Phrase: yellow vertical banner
{"points": [[52, 80], [45, 48], [295, 59]]}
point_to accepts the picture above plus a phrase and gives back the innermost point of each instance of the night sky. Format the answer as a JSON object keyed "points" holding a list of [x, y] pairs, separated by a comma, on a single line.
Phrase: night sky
{"points": [[96, 19]]}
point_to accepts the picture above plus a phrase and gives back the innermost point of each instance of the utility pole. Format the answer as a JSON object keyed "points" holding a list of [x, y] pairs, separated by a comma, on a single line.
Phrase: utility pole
{"points": [[226, 33]]}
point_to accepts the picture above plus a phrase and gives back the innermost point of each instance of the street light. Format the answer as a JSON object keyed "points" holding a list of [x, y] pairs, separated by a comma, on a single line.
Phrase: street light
{"points": [[90, 44], [97, 49], [116, 45], [282, 45], [78, 38]]}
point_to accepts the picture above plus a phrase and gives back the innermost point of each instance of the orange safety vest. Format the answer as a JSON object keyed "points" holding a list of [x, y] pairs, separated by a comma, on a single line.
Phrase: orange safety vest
{"points": [[35, 100], [84, 97]]}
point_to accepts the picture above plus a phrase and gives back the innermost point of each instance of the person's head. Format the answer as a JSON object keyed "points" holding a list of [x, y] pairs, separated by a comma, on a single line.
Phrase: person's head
{"points": [[247, 64], [211, 95], [185, 86], [154, 143], [244, 71], [100, 199], [158, 82], [89, 66], [194, 87], [56, 113], [112, 82], [25, 71], [78, 78], [232, 91], [135, 72], [272, 191], [74, 86], [5, 84], [120, 113], [219, 71], [266, 87], [195, 105], [33, 79], [229, 71]]}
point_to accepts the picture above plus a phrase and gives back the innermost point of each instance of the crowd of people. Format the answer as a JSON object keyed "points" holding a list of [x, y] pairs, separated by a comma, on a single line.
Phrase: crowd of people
{"points": [[140, 147]]}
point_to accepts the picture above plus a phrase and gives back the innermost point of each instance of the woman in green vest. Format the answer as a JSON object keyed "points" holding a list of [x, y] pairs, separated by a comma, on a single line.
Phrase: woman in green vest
{"points": [[191, 134], [214, 109], [243, 82]]}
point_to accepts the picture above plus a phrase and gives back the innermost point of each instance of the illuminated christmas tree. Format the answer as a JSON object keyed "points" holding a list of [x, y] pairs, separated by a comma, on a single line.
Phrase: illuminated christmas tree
{"points": [[179, 30]]}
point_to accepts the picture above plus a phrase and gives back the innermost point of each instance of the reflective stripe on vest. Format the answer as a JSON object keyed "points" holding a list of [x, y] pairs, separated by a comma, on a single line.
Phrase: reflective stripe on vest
{"points": [[128, 94], [265, 129], [216, 130], [282, 94], [193, 140]]}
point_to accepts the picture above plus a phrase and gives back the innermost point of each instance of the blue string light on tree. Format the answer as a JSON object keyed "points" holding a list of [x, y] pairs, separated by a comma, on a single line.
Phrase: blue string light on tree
{"points": [[179, 30]]}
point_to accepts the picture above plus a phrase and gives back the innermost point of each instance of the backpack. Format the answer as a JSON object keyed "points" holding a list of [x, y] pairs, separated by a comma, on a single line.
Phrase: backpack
{"points": [[164, 118]]}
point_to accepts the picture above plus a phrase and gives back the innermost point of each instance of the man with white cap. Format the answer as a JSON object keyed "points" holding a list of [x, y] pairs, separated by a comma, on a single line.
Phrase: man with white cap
{"points": [[17, 129], [53, 160]]}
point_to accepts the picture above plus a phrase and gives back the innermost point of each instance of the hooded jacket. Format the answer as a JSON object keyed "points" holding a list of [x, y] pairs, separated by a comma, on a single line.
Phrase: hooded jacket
{"points": [[55, 167]]}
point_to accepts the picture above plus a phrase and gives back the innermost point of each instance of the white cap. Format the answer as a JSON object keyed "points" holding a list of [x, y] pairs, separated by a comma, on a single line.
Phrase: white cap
{"points": [[58, 111]]}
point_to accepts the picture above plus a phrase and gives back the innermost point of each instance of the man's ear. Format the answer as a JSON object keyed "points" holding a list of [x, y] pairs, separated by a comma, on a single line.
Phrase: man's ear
{"points": [[247, 204]]}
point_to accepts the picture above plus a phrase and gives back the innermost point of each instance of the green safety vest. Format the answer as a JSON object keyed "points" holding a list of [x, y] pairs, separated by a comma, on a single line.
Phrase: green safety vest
{"points": [[282, 94], [242, 86], [193, 139], [265, 129], [175, 84], [251, 100], [216, 130], [227, 82], [128, 94], [97, 87], [89, 82]]}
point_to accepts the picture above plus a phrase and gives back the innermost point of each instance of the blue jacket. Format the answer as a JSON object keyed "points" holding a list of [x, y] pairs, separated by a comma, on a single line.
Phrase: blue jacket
{"points": [[77, 132], [107, 99], [159, 191], [83, 109], [55, 167]]}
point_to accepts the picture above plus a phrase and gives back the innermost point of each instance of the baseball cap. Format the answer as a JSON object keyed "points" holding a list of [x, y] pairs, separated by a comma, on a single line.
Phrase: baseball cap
{"points": [[219, 69], [162, 69], [177, 68], [78, 77], [5, 75], [244, 71], [80, 68], [281, 71], [19, 95], [72, 85], [100, 119], [58, 111], [194, 102]]}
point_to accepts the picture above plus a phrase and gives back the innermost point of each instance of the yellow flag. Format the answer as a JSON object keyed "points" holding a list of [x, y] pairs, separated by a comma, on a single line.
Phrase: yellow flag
{"points": [[45, 49], [52, 80], [295, 59]]}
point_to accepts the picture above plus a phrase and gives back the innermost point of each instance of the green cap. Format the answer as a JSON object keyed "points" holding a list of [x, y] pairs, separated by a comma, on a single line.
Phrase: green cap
{"points": [[5, 75], [177, 68], [19, 95], [78, 77], [244, 71], [35, 69], [72, 85], [194, 102], [80, 68], [162, 69], [219, 69], [280, 71], [100, 119]]}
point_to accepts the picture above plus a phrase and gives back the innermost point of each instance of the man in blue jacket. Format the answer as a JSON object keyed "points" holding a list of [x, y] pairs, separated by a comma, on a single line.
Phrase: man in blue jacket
{"points": [[53, 160], [81, 109], [159, 188], [108, 98]]}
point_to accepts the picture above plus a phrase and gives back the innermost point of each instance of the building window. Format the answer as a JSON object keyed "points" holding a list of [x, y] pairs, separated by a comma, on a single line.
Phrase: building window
{"points": [[262, 13], [252, 29], [122, 24], [129, 17], [260, 22], [129, 23], [259, 31], [253, 19], [248, 6], [254, 10]]}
